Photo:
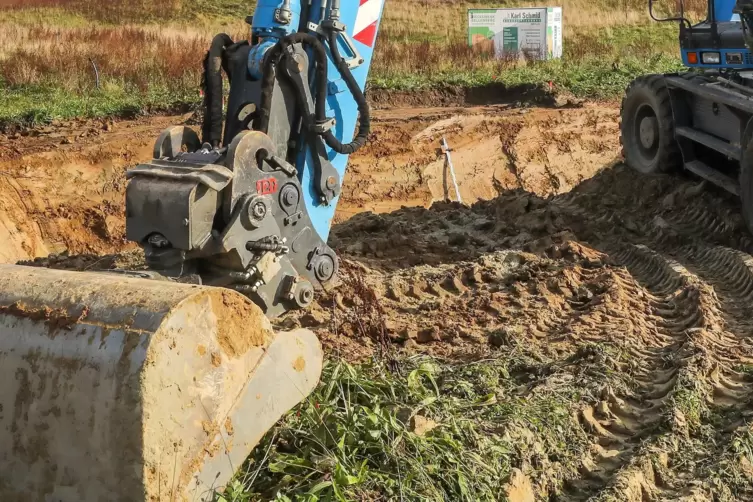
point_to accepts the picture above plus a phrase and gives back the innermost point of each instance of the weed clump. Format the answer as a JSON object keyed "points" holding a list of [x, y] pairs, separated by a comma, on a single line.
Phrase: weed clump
{"points": [[434, 431]]}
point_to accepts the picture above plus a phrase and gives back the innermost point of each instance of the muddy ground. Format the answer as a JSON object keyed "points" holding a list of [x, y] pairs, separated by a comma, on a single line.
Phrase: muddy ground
{"points": [[61, 186], [635, 289]]}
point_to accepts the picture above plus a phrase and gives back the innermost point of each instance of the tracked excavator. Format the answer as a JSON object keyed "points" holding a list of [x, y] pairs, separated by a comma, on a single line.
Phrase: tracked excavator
{"points": [[157, 384], [700, 120]]}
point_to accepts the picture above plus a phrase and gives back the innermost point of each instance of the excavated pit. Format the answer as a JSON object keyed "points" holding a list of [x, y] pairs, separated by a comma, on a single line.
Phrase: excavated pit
{"points": [[638, 287], [495, 148], [62, 186]]}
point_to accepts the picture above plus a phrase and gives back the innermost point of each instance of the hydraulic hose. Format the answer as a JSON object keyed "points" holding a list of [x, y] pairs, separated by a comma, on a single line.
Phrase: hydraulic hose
{"points": [[364, 127], [213, 66], [273, 58]]}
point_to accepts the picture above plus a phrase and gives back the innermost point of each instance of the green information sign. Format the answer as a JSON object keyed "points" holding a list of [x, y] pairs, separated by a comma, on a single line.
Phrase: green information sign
{"points": [[532, 33]]}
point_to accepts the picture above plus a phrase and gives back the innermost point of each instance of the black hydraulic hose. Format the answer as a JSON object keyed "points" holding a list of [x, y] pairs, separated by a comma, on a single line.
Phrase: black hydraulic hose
{"points": [[303, 27], [364, 127], [273, 58], [213, 66]]}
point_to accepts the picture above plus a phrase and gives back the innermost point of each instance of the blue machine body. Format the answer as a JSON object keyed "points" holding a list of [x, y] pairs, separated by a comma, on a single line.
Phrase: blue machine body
{"points": [[342, 106], [340, 103], [269, 29], [745, 54], [737, 58], [723, 10], [265, 18]]}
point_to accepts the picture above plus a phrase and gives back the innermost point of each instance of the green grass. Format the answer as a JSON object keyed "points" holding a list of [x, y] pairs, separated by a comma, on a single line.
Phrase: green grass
{"points": [[593, 78], [34, 105], [599, 63], [596, 64], [55, 16], [354, 438], [144, 12], [219, 8]]}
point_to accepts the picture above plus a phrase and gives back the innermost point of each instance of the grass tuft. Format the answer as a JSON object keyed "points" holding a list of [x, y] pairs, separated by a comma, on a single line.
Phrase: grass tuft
{"points": [[435, 431]]}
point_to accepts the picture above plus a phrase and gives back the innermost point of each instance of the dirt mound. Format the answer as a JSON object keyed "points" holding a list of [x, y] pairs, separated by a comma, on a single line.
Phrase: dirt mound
{"points": [[544, 151], [62, 186], [463, 96], [635, 290]]}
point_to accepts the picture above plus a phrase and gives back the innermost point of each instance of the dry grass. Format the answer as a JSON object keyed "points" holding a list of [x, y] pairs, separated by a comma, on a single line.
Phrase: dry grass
{"points": [[111, 11], [40, 53], [54, 44], [601, 31], [136, 56], [447, 18], [101, 11]]}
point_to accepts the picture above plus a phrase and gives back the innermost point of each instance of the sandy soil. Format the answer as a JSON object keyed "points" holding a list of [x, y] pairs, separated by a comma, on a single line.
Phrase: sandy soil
{"points": [[544, 151], [61, 187], [558, 248]]}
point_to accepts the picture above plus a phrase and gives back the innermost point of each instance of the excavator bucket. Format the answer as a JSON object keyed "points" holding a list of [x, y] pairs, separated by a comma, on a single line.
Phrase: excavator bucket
{"points": [[121, 388]]}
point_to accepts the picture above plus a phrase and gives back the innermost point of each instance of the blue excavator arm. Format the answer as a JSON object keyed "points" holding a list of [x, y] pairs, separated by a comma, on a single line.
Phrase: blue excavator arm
{"points": [[249, 205], [357, 43], [174, 362], [359, 23]]}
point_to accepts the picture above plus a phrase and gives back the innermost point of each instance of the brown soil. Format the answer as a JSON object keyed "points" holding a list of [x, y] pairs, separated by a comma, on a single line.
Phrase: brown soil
{"points": [[653, 275], [61, 187], [240, 327], [559, 250], [462, 96], [493, 149], [56, 319]]}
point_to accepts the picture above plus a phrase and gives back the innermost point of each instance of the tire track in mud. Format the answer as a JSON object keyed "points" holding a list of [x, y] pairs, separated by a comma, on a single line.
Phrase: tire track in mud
{"points": [[473, 301], [728, 272], [713, 282], [677, 323], [660, 312], [664, 304], [706, 224]]}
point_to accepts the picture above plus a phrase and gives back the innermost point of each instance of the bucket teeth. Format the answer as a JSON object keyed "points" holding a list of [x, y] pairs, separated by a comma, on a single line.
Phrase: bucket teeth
{"points": [[119, 388]]}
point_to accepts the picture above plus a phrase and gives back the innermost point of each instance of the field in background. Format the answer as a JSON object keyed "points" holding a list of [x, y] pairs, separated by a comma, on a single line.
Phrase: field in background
{"points": [[66, 58]]}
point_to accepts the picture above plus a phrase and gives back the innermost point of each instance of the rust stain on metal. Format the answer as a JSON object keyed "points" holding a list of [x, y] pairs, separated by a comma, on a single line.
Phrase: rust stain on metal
{"points": [[229, 427], [216, 360], [201, 350], [55, 319]]}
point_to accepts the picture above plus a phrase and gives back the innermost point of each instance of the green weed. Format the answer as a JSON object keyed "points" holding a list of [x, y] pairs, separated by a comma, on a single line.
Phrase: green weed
{"points": [[592, 78], [360, 437]]}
